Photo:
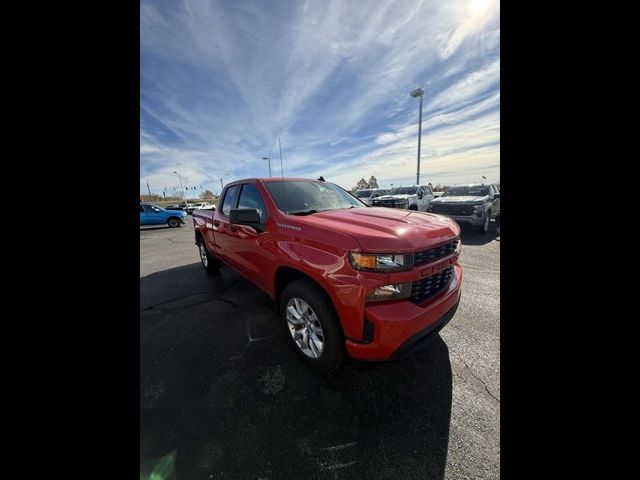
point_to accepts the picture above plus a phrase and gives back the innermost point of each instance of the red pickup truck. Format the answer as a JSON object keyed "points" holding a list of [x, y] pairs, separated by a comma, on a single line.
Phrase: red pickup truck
{"points": [[372, 283]]}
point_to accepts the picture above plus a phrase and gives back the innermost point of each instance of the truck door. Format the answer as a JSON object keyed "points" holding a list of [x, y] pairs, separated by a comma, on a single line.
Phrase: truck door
{"points": [[250, 258], [151, 215], [222, 227], [495, 210], [428, 196], [421, 202]]}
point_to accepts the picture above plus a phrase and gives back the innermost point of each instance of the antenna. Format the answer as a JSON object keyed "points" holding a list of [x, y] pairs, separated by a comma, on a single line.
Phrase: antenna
{"points": [[284, 190], [280, 148]]}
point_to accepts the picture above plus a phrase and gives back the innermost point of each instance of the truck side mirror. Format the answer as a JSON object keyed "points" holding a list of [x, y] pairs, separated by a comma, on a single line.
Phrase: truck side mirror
{"points": [[246, 216], [420, 194]]}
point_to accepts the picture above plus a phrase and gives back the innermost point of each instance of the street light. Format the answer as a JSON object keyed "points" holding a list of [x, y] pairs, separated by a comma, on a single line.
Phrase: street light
{"points": [[184, 199], [418, 92], [269, 159]]}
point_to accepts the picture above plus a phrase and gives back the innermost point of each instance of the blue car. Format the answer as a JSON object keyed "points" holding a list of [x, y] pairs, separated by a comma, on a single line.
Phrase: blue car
{"points": [[153, 215]]}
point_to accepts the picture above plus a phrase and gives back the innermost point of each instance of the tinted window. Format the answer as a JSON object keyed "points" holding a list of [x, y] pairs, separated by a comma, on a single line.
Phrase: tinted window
{"points": [[229, 199], [250, 198]]}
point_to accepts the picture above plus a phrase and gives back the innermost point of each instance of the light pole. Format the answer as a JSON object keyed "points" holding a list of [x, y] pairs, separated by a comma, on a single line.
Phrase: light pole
{"points": [[182, 187], [269, 159], [418, 92]]}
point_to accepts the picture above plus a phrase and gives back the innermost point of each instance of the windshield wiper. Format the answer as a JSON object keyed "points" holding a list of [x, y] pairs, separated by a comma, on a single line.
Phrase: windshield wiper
{"points": [[304, 212]]}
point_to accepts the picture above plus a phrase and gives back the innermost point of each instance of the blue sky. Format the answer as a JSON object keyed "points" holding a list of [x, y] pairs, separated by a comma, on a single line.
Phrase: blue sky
{"points": [[221, 80]]}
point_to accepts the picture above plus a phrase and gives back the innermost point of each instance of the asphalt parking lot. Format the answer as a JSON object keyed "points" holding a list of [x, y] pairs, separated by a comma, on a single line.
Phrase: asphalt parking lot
{"points": [[222, 394]]}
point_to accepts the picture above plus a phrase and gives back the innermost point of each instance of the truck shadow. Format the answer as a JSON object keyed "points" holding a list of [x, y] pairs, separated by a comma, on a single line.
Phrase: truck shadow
{"points": [[470, 236], [221, 386]]}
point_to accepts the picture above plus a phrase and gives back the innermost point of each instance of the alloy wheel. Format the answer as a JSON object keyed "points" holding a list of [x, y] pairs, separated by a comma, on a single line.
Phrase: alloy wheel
{"points": [[305, 327]]}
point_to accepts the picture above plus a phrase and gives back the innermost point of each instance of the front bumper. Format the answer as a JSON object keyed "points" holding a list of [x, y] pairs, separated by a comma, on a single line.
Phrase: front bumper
{"points": [[470, 220], [394, 205], [183, 220], [400, 326]]}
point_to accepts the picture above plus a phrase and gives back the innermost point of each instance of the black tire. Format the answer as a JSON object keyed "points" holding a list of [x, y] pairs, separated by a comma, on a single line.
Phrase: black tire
{"points": [[174, 222], [333, 353], [209, 262], [413, 207], [484, 228]]}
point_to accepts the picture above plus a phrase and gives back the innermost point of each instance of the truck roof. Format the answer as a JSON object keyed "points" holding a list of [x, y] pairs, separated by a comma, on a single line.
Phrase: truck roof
{"points": [[273, 179]]}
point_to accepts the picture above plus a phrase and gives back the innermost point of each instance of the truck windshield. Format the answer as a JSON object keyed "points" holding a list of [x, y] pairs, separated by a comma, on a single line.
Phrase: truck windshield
{"points": [[300, 197], [467, 191], [403, 191]]}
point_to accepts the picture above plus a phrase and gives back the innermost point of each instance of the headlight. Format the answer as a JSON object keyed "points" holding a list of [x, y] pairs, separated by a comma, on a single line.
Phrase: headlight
{"points": [[477, 208], [390, 292], [381, 262]]}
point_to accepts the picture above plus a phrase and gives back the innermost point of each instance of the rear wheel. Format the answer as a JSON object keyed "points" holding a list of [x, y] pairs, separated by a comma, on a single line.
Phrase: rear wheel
{"points": [[174, 222], [209, 263], [313, 326], [413, 207]]}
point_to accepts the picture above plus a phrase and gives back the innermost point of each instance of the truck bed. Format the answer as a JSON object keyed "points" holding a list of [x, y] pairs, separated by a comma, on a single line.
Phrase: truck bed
{"points": [[203, 219]]}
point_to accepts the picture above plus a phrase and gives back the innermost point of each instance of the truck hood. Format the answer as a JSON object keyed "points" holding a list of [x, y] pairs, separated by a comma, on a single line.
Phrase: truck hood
{"points": [[465, 199], [394, 197], [382, 230]]}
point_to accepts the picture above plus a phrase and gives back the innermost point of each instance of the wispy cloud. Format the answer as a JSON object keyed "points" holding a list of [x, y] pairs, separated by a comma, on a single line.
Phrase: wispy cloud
{"points": [[220, 81]]}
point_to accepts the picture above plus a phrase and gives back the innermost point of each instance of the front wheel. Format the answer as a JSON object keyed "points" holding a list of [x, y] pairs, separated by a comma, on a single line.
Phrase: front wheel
{"points": [[484, 228], [174, 222], [313, 325]]}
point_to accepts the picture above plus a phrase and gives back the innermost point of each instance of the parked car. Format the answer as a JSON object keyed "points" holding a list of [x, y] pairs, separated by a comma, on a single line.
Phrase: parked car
{"points": [[153, 215], [412, 198], [195, 206], [347, 279], [474, 204], [369, 194]]}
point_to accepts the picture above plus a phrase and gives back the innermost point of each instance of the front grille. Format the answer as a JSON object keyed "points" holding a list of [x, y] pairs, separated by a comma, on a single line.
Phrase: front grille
{"points": [[388, 204], [451, 209], [427, 288], [429, 255]]}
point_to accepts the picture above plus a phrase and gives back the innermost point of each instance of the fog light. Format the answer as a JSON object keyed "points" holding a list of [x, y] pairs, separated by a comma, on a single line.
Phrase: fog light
{"points": [[390, 292]]}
